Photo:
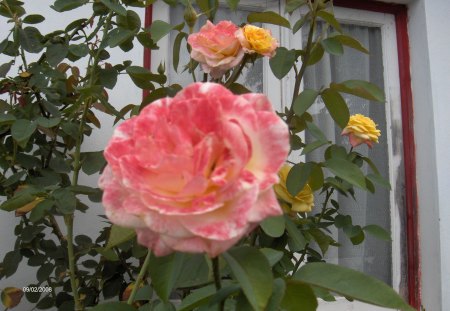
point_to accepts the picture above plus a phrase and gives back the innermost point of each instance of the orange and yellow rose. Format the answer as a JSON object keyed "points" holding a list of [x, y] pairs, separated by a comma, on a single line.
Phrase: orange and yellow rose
{"points": [[257, 40]]}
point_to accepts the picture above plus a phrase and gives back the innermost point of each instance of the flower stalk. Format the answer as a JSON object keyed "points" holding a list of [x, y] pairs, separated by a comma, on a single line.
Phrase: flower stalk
{"points": [[217, 279], [141, 274]]}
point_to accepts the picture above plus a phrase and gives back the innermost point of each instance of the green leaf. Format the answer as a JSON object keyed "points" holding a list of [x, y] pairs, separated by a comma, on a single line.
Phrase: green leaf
{"points": [[41, 210], [67, 5], [299, 296], [131, 21], [30, 39], [379, 180], [44, 272], [292, 5], [337, 107], [65, 200], [316, 54], [20, 199], [108, 77], [238, 89], [315, 131], [6, 119], [116, 306], [313, 146], [195, 271], [176, 49], [316, 178], [333, 46], [303, 101], [92, 162], [299, 24], [141, 75], [360, 88], [159, 29], [273, 226], [279, 288], [11, 262], [56, 53], [4, 69], [252, 270], [233, 4], [282, 62], [268, 17], [80, 50], [351, 284], [351, 42], [330, 19], [164, 272], [298, 177], [113, 6], [197, 298], [48, 122], [119, 235], [117, 36], [273, 256], [297, 241], [378, 232], [22, 130], [347, 171], [33, 19]]}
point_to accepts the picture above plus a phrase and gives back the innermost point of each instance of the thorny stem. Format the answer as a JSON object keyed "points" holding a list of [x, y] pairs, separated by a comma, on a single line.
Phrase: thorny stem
{"points": [[68, 219], [141, 274]]}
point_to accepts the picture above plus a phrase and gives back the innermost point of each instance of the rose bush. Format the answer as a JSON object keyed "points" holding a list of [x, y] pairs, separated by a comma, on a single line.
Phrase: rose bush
{"points": [[195, 173]]}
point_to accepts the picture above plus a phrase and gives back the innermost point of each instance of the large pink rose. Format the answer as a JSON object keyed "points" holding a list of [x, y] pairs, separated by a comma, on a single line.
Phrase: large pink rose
{"points": [[216, 47], [194, 173]]}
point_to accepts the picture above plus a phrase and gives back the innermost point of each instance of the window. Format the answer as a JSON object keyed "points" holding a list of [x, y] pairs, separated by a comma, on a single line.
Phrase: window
{"points": [[393, 263]]}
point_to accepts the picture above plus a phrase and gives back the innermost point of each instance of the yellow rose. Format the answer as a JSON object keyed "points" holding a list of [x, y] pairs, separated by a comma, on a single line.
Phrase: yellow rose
{"points": [[302, 202], [361, 129], [257, 40]]}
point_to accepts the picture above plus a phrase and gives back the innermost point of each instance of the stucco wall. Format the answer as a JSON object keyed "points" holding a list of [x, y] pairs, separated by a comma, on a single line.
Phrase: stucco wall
{"points": [[430, 45]]}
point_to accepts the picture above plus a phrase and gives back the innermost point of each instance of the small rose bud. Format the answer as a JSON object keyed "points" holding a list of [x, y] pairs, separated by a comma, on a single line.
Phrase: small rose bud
{"points": [[190, 15], [161, 68]]}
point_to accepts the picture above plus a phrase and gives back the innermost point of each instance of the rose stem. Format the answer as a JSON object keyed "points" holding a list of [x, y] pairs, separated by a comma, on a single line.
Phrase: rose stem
{"points": [[144, 269], [216, 271]]}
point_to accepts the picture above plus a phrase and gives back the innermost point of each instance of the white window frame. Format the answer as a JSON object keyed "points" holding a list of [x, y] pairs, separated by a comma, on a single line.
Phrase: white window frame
{"points": [[280, 93]]}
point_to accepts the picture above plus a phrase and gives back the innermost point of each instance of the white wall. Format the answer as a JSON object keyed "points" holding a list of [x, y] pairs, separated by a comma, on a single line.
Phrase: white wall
{"points": [[429, 22]]}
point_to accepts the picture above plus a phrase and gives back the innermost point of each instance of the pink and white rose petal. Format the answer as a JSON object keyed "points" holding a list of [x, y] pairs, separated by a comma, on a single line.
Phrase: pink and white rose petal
{"points": [[194, 173]]}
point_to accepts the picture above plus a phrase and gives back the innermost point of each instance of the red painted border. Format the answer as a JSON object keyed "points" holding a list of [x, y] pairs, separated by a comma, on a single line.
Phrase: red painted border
{"points": [[401, 19], [147, 52]]}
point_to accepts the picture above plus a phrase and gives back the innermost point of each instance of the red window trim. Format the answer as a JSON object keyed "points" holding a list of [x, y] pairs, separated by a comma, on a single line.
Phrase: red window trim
{"points": [[400, 13]]}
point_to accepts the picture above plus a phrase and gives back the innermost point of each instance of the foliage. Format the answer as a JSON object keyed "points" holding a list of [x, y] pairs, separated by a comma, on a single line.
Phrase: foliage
{"points": [[50, 105]]}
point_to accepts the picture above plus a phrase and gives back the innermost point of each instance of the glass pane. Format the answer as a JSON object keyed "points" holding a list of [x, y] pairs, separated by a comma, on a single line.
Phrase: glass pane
{"points": [[252, 77], [373, 256]]}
